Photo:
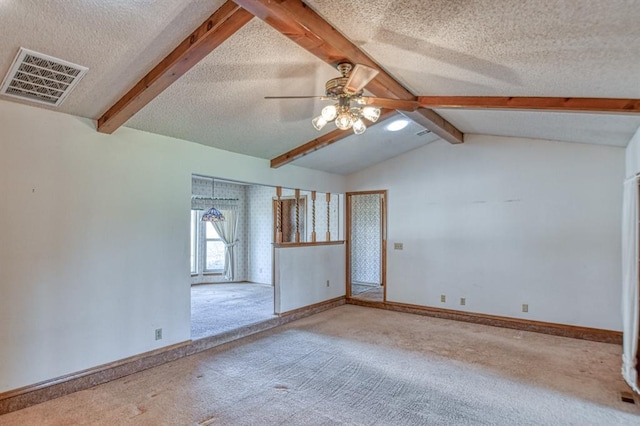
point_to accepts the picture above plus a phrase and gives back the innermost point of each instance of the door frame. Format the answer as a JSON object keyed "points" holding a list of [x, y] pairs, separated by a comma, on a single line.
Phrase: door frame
{"points": [[383, 236]]}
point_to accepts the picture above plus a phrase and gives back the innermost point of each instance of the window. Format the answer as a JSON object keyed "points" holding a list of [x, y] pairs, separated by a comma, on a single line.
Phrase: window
{"points": [[214, 249], [207, 249]]}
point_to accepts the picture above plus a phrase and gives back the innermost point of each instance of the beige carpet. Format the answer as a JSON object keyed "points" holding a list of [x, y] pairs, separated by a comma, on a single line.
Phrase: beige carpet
{"points": [[218, 308], [363, 366], [373, 294]]}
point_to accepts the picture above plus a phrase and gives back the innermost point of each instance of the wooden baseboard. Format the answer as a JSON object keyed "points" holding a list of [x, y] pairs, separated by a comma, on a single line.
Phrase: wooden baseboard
{"points": [[326, 304], [27, 396], [575, 332]]}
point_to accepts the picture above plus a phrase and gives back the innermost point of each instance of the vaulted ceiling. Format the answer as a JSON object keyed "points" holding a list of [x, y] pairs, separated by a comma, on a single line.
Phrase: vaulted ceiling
{"points": [[550, 48]]}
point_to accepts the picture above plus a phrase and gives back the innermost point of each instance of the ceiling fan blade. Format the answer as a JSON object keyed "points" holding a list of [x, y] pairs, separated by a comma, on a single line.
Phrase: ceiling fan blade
{"points": [[293, 97], [359, 77], [399, 104], [322, 98]]}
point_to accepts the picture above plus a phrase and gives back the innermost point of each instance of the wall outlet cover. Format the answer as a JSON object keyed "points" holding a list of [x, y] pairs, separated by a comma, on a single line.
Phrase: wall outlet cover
{"points": [[443, 298], [158, 333]]}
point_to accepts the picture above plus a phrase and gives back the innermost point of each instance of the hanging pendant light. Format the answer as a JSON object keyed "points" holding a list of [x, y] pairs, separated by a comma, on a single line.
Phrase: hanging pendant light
{"points": [[213, 214]]}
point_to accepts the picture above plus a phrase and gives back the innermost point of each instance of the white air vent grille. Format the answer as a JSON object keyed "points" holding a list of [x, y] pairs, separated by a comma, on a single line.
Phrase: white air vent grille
{"points": [[41, 78]]}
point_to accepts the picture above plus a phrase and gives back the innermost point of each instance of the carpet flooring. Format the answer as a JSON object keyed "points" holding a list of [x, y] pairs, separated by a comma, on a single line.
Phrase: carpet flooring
{"points": [[373, 294], [357, 288], [218, 308], [361, 366]]}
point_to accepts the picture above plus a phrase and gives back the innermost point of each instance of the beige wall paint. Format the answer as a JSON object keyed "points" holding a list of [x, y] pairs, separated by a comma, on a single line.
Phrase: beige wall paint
{"points": [[94, 231], [503, 222]]}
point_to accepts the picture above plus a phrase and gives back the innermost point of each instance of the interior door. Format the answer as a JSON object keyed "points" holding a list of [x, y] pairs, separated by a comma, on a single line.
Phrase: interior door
{"points": [[366, 245]]}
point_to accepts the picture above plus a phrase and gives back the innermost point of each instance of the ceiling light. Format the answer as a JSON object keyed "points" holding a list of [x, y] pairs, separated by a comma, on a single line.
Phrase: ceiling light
{"points": [[344, 90], [329, 113], [396, 125], [359, 127], [346, 117], [319, 122], [213, 214], [371, 113], [344, 120]]}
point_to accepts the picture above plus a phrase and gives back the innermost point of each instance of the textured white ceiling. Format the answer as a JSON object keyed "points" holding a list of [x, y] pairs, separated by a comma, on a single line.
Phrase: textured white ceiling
{"points": [[377, 144], [574, 48], [119, 40], [601, 129], [220, 102]]}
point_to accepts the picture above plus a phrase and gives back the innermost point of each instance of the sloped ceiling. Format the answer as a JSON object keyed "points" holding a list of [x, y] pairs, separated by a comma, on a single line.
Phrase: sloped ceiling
{"points": [[440, 47]]}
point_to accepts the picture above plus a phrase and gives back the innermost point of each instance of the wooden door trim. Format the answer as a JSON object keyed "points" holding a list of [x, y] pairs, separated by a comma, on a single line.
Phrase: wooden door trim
{"points": [[383, 236]]}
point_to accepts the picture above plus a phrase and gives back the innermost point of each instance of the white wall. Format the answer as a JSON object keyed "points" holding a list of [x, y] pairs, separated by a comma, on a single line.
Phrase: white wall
{"points": [[506, 221], [301, 275], [632, 155], [94, 230]]}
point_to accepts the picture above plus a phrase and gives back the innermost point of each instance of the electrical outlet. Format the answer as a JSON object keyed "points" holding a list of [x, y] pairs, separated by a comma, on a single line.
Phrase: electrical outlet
{"points": [[463, 301], [443, 298], [158, 333], [398, 246], [328, 283], [525, 307]]}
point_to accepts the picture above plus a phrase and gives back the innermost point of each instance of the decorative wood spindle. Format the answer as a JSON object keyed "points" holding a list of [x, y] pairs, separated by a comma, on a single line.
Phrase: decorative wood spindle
{"points": [[297, 215], [313, 216], [328, 216], [279, 215]]}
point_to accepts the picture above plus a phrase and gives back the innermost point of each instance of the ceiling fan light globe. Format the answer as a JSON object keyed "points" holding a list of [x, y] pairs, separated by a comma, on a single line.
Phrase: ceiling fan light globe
{"points": [[329, 113], [344, 121], [359, 127], [319, 122], [371, 113]]}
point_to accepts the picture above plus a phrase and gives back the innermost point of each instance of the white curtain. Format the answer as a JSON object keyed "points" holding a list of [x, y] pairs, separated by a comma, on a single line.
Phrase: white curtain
{"points": [[228, 231], [630, 286]]}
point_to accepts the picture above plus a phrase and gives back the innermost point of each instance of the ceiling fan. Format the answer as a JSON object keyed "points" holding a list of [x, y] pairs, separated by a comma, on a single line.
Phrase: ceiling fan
{"points": [[350, 105]]}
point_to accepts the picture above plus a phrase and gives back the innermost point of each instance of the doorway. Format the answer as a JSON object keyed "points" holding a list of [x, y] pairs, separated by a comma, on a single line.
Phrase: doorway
{"points": [[231, 278], [366, 245]]}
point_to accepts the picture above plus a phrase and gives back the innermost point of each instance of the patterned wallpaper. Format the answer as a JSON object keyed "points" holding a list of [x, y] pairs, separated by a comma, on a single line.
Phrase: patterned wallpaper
{"points": [[254, 252], [321, 216], [202, 187], [261, 233], [365, 238]]}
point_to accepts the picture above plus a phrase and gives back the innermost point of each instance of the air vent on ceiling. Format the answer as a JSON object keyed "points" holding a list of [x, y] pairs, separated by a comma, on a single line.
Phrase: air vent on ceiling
{"points": [[41, 78], [423, 132]]}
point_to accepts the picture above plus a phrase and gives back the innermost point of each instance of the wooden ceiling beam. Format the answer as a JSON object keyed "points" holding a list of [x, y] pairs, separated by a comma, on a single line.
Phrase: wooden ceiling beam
{"points": [[228, 19], [607, 105], [305, 27], [318, 143], [430, 120]]}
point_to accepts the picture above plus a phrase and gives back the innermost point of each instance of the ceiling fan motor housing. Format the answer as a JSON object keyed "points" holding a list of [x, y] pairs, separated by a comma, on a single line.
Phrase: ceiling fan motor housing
{"points": [[335, 86]]}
